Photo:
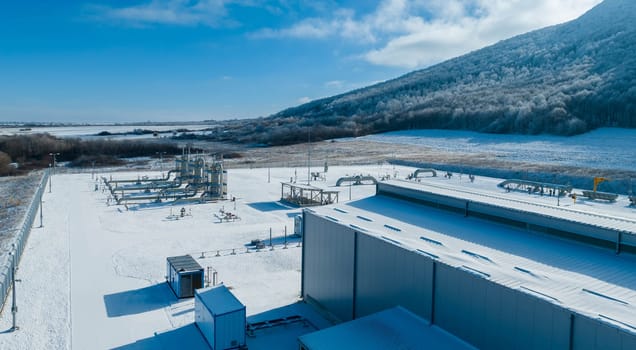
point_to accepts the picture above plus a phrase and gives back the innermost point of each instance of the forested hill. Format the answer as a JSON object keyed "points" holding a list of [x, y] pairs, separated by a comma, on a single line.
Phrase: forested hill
{"points": [[565, 79]]}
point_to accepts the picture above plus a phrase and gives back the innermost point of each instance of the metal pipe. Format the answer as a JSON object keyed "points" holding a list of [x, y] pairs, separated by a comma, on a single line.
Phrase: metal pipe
{"points": [[54, 165]]}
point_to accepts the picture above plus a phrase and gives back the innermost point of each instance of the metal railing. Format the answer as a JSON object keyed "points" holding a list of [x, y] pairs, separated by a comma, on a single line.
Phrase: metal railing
{"points": [[20, 240]]}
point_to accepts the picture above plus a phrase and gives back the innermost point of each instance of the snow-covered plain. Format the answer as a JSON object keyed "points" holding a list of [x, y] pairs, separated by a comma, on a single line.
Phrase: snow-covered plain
{"points": [[93, 276], [90, 131], [606, 148]]}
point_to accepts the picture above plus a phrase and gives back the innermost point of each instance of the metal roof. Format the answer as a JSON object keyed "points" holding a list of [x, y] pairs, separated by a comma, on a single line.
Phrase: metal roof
{"points": [[302, 186], [184, 263], [394, 328], [615, 222], [219, 300]]}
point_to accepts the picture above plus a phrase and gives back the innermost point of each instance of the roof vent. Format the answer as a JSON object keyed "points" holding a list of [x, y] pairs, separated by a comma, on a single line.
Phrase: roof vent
{"points": [[393, 228]]}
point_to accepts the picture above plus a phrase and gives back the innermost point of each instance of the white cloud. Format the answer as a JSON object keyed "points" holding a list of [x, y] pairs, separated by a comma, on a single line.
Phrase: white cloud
{"points": [[334, 84], [175, 12], [304, 99], [342, 24], [418, 33]]}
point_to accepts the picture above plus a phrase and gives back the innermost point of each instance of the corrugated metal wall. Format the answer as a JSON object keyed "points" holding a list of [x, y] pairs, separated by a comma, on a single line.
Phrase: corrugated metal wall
{"points": [[490, 315], [482, 312], [388, 275], [223, 331], [230, 330], [328, 261], [204, 320], [590, 334]]}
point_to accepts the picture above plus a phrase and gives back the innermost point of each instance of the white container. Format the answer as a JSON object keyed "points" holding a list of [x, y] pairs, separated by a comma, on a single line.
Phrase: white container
{"points": [[220, 317]]}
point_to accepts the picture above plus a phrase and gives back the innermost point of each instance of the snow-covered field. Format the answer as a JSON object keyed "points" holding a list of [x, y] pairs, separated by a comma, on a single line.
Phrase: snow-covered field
{"points": [[91, 131], [93, 276], [606, 148]]}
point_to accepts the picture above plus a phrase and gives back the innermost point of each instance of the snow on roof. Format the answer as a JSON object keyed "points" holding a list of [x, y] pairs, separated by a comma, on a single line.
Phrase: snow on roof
{"points": [[302, 186], [219, 300], [395, 328], [617, 221], [184, 263], [584, 278]]}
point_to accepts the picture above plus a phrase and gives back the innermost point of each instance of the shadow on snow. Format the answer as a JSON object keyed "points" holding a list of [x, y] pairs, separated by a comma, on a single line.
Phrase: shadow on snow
{"points": [[140, 300], [186, 337], [268, 206]]}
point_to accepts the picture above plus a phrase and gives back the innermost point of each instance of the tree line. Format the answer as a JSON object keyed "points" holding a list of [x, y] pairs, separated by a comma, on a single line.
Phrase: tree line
{"points": [[22, 153]]}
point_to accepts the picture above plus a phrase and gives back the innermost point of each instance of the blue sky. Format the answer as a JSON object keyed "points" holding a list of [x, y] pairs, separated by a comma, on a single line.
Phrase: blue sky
{"points": [[181, 60]]}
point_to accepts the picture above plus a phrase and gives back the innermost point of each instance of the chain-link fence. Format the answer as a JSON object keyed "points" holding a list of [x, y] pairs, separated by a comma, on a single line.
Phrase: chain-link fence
{"points": [[20, 239]]}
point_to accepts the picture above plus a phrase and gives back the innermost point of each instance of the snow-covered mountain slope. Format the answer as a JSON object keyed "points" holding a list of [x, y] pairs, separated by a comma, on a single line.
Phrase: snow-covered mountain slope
{"points": [[564, 79]]}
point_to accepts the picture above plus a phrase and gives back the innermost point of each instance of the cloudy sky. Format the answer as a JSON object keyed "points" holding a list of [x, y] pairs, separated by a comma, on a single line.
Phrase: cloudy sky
{"points": [[167, 60]]}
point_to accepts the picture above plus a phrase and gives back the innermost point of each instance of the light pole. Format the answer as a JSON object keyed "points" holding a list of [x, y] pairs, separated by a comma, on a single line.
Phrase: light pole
{"points": [[41, 209], [308, 155], [14, 306], [53, 155], [161, 161]]}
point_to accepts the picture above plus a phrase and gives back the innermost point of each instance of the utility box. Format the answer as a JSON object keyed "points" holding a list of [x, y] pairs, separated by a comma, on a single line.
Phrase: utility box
{"points": [[298, 225], [184, 275], [220, 317]]}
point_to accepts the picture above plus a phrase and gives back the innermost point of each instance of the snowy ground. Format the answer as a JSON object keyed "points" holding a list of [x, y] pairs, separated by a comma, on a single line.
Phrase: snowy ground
{"points": [[92, 130], [606, 148], [93, 276], [575, 160]]}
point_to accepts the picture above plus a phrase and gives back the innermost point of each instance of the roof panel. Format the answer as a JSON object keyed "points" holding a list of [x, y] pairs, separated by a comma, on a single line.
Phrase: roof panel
{"points": [[184, 263], [395, 328], [219, 300]]}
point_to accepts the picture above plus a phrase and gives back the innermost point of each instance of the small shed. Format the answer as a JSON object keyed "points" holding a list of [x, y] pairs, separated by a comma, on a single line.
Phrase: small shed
{"points": [[184, 275], [220, 317]]}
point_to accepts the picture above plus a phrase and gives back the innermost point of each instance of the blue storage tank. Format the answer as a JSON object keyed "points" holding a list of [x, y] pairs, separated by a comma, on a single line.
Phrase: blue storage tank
{"points": [[184, 275]]}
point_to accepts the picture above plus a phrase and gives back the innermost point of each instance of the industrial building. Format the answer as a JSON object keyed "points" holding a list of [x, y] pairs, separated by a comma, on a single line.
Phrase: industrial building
{"points": [[497, 272]]}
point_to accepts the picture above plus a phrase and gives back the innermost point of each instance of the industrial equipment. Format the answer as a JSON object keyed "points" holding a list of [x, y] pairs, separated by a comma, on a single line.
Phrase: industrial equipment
{"points": [[594, 194], [192, 179]]}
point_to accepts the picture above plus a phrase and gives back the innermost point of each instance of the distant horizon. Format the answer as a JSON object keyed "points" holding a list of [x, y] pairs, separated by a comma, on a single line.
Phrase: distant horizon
{"points": [[168, 60], [106, 123]]}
